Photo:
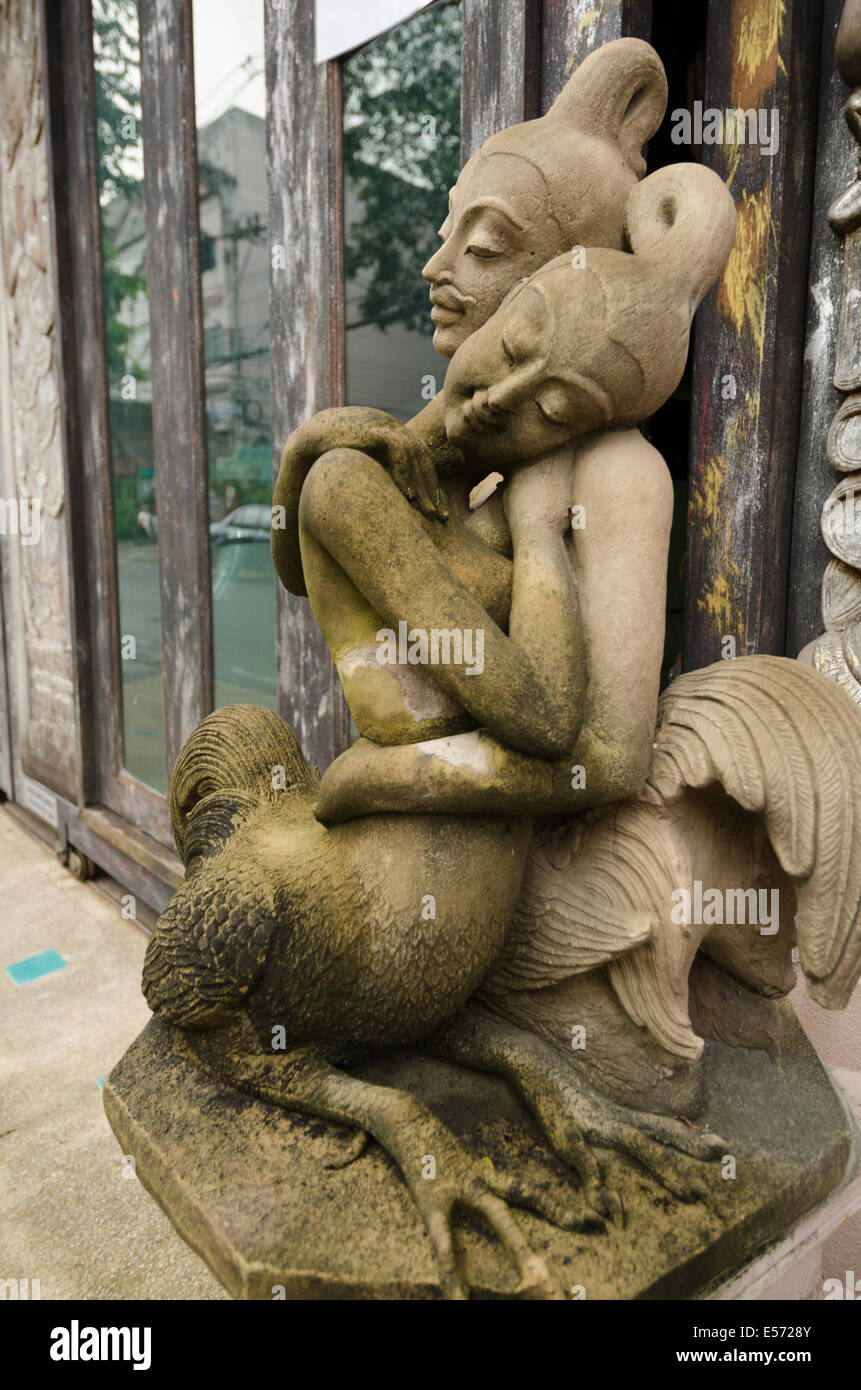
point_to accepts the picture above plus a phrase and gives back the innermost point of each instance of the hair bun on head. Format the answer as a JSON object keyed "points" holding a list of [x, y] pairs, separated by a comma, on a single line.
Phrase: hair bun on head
{"points": [[683, 217]]}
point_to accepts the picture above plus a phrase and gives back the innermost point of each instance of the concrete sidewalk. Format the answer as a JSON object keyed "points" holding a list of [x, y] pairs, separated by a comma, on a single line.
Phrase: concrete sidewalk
{"points": [[70, 1003]]}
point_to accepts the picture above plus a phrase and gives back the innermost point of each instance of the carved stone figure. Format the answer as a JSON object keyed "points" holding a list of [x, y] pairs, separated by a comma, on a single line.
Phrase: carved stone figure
{"points": [[501, 662]]}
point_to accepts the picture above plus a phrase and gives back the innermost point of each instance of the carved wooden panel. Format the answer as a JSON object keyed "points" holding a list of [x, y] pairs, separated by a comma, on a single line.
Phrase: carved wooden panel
{"points": [[46, 723], [837, 652], [835, 167]]}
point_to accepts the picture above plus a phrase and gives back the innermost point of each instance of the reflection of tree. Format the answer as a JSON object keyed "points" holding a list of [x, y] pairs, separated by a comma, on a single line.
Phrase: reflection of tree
{"points": [[401, 155], [116, 82]]}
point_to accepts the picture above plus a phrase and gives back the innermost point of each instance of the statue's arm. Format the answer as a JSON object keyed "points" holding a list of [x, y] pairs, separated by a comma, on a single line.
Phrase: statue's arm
{"points": [[410, 453], [527, 688], [625, 491]]}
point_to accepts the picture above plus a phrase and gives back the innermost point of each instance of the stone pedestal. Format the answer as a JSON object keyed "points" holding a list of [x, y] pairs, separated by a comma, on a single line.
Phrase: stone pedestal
{"points": [[248, 1187]]}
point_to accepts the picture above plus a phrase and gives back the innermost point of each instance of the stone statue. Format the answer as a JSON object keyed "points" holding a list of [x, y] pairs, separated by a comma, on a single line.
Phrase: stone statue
{"points": [[500, 653]]}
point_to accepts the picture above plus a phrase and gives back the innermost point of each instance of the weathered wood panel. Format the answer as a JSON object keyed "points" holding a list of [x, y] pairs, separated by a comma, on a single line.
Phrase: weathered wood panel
{"points": [[571, 29], [761, 54], [46, 719], [305, 325], [89, 492], [501, 50], [7, 650], [176, 327], [5, 713], [89, 499], [836, 160]]}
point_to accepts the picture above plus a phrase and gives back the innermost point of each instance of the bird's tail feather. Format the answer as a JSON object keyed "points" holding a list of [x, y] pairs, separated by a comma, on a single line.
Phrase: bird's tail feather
{"points": [[237, 758]]}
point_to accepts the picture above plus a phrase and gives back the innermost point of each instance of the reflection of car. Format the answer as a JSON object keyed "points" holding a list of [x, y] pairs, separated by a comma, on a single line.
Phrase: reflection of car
{"points": [[249, 522], [238, 535]]}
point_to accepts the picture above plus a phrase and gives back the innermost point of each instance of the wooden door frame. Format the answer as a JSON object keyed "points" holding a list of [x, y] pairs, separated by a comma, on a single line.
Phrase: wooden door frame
{"points": [[173, 285]]}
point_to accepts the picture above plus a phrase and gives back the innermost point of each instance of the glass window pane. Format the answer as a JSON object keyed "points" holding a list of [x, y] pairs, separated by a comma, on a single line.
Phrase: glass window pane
{"points": [[401, 156], [234, 264], [116, 56]]}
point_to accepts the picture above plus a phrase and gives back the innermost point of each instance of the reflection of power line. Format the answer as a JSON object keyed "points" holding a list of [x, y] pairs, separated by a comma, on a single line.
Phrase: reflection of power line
{"points": [[224, 345], [391, 317]]}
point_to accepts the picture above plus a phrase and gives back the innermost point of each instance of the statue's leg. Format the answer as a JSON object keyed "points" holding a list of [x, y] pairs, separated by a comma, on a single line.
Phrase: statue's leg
{"points": [[575, 1116], [408, 1131]]}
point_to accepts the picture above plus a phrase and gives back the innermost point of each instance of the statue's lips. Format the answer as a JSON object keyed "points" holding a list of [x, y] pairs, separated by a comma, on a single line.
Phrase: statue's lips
{"points": [[444, 317], [448, 306]]}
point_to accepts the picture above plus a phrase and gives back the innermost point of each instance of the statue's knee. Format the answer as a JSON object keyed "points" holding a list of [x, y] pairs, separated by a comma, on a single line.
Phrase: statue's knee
{"points": [[335, 477]]}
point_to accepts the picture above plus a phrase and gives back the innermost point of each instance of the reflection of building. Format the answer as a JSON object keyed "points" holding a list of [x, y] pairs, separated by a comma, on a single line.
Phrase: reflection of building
{"points": [[235, 273]]}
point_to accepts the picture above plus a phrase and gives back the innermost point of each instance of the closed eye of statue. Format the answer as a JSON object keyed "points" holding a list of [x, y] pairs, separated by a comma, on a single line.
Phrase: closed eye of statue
{"points": [[554, 412], [484, 253]]}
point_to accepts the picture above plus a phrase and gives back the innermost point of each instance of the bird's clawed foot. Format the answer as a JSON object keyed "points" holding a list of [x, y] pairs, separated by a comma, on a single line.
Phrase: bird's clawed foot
{"points": [[446, 1179], [577, 1119]]}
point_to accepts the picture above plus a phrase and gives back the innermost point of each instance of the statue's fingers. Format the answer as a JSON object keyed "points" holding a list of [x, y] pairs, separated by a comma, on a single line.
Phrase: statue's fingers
{"points": [[429, 497]]}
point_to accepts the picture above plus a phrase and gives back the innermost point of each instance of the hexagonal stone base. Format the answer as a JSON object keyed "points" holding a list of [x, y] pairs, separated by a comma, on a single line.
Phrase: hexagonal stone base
{"points": [[246, 1184]]}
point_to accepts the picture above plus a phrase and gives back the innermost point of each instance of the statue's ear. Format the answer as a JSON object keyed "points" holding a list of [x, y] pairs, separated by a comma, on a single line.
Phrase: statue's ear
{"points": [[620, 94]]}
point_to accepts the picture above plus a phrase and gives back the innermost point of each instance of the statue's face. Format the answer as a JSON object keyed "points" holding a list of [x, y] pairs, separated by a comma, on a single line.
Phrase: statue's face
{"points": [[512, 391], [499, 229]]}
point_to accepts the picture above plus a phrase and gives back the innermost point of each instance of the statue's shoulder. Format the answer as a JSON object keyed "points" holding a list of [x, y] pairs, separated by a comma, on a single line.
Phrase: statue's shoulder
{"points": [[621, 466]]}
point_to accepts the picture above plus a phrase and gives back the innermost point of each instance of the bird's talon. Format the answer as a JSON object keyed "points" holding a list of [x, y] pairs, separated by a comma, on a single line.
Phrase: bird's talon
{"points": [[593, 1220], [353, 1150]]}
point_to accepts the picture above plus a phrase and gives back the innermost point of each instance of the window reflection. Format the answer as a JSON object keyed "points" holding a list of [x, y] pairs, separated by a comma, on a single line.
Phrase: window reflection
{"points": [[401, 156], [116, 55], [234, 265]]}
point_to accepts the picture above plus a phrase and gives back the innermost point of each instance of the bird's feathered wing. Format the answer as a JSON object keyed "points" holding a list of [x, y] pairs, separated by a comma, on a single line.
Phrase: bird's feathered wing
{"points": [[568, 919], [785, 742]]}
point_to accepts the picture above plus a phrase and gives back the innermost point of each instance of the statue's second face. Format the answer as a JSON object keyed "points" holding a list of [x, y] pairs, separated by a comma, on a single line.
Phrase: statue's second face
{"points": [[499, 229], [513, 391]]}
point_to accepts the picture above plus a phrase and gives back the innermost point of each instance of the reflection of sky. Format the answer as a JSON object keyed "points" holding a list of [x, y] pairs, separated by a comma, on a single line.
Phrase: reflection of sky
{"points": [[228, 57]]}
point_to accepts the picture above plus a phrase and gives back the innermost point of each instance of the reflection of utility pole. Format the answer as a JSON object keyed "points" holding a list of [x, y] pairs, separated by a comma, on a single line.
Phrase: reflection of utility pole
{"points": [[223, 187], [234, 233], [230, 231]]}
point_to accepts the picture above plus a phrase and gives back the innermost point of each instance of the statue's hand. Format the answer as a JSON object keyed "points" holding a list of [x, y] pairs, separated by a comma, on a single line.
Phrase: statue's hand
{"points": [[378, 435], [404, 455]]}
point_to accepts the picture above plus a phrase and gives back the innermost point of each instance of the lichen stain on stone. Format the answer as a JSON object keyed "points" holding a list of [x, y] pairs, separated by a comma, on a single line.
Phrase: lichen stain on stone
{"points": [[741, 294]]}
